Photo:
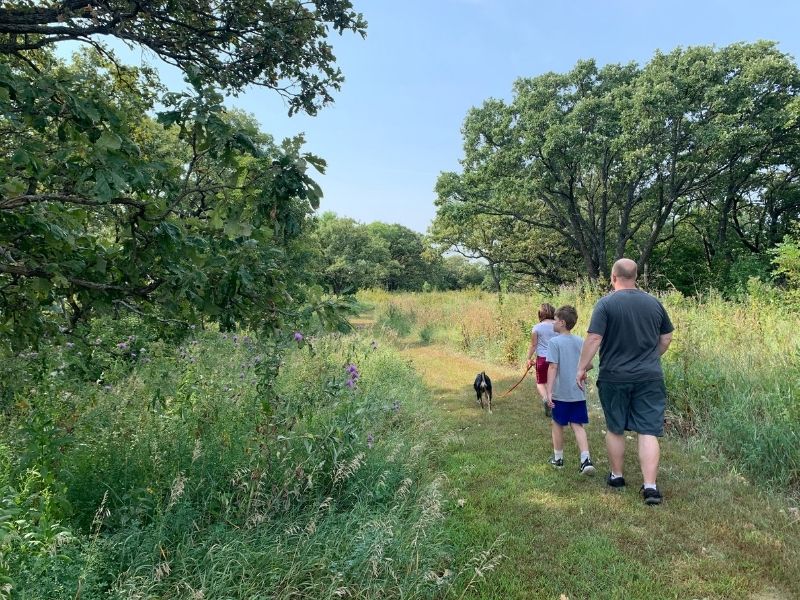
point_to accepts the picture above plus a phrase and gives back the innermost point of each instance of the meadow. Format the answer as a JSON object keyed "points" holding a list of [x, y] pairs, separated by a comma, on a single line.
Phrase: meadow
{"points": [[140, 463], [729, 523], [220, 466], [731, 371]]}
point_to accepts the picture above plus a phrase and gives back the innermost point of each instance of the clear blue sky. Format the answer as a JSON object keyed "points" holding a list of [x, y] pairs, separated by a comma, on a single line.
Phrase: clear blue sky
{"points": [[396, 123]]}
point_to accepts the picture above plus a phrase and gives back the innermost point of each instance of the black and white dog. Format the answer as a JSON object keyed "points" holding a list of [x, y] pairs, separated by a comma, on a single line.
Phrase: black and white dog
{"points": [[483, 389]]}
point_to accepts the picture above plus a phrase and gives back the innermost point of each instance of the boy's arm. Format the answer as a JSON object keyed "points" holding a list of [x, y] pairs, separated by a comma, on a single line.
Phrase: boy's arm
{"points": [[552, 373], [531, 350]]}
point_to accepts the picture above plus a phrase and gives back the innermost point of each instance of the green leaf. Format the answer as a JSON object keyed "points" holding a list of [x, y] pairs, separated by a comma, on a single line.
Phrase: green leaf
{"points": [[14, 186], [108, 141]]}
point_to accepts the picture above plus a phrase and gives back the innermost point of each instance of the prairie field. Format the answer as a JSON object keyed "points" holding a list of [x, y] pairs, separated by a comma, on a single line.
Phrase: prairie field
{"points": [[732, 371]]}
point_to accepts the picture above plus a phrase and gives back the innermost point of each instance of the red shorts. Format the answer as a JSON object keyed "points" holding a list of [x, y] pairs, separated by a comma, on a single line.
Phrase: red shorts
{"points": [[541, 369]]}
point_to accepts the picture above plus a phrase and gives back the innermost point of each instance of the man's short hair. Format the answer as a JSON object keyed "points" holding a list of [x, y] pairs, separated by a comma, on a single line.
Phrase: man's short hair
{"points": [[625, 268], [569, 315]]}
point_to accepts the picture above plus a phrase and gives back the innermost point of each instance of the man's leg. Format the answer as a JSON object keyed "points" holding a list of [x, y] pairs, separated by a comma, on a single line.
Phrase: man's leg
{"points": [[649, 454], [615, 444]]}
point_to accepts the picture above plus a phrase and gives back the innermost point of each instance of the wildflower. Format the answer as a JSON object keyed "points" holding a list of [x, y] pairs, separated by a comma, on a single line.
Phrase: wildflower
{"points": [[70, 344], [298, 337], [122, 345], [370, 441], [235, 339], [350, 383]]}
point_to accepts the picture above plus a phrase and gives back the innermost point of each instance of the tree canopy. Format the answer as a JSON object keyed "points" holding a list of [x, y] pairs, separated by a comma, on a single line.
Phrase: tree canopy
{"points": [[277, 45], [118, 194], [698, 148]]}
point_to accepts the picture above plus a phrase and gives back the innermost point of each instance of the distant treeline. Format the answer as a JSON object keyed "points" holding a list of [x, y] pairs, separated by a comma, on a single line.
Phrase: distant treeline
{"points": [[355, 256]]}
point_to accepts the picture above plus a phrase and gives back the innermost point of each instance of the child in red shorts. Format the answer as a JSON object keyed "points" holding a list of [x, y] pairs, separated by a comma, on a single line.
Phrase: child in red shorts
{"points": [[541, 334]]}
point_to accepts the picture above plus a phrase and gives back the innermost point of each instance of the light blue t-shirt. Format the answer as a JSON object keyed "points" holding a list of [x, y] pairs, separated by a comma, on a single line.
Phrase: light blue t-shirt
{"points": [[565, 350], [544, 333]]}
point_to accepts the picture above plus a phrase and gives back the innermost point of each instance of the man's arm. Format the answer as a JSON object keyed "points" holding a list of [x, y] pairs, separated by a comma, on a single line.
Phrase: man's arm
{"points": [[664, 342], [552, 373], [590, 347]]}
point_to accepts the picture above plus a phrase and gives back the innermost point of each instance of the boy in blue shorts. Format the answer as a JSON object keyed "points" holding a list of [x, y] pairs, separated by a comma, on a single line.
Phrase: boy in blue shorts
{"points": [[565, 398]]}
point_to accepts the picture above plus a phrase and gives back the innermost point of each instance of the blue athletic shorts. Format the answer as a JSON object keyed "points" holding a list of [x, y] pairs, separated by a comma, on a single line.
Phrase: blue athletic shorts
{"points": [[565, 413]]}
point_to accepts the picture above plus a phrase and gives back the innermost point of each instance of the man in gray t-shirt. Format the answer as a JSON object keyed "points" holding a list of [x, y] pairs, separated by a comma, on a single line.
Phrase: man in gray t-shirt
{"points": [[632, 330]]}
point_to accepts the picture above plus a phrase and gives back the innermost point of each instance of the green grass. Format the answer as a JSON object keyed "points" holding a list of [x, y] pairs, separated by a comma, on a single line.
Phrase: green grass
{"points": [[730, 371], [715, 536], [177, 480]]}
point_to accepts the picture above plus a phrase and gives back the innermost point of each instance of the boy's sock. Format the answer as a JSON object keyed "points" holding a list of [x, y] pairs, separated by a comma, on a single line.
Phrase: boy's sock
{"points": [[615, 475], [558, 454], [584, 455], [650, 486]]}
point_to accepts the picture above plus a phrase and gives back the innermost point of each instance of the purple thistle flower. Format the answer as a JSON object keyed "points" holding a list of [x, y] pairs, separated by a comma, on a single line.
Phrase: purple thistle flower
{"points": [[350, 383], [298, 337], [122, 345]]}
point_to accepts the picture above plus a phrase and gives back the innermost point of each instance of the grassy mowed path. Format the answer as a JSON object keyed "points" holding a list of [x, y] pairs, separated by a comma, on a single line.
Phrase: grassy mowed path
{"points": [[715, 535]]}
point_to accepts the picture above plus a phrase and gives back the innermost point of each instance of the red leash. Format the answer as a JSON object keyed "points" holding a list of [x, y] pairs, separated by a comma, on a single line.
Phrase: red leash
{"points": [[516, 384]]}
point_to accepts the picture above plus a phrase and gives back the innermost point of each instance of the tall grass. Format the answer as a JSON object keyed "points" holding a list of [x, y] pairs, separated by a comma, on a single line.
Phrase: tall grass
{"points": [[183, 478], [733, 370]]}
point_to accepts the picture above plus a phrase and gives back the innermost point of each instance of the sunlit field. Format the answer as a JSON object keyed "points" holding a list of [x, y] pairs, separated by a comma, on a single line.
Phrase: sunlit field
{"points": [[732, 369]]}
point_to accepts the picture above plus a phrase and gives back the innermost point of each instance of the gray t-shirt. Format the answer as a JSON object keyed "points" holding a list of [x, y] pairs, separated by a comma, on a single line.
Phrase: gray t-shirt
{"points": [[631, 322], [565, 350], [544, 333]]}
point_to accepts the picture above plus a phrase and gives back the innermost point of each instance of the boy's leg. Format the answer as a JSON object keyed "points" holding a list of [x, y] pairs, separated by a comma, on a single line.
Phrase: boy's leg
{"points": [[558, 436], [580, 437], [542, 388]]}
